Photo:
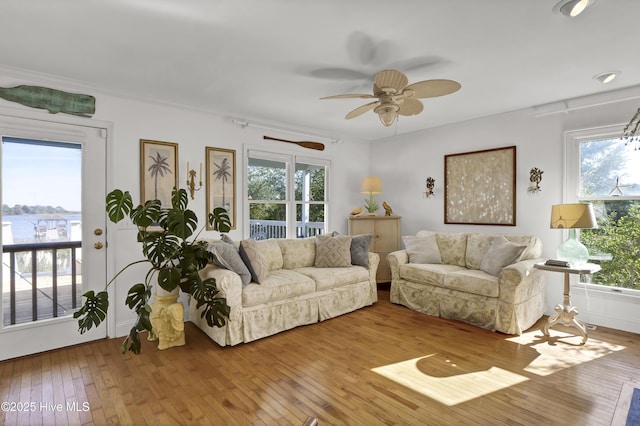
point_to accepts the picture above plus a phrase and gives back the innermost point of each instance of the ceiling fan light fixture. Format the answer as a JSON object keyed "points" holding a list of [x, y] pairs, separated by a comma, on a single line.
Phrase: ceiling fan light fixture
{"points": [[572, 8], [607, 77], [387, 113]]}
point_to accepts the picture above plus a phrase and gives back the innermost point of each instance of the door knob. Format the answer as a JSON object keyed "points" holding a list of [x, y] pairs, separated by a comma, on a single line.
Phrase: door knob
{"points": [[98, 245], [97, 231]]}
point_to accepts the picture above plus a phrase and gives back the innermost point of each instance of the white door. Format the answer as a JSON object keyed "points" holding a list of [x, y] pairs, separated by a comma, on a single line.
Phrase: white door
{"points": [[53, 188]]}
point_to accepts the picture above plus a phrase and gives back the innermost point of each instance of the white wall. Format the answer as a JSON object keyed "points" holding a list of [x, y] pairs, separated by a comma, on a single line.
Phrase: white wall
{"points": [[135, 119], [404, 163]]}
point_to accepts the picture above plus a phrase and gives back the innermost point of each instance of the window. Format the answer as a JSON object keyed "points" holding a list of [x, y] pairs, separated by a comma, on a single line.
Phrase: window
{"points": [[606, 172], [286, 195]]}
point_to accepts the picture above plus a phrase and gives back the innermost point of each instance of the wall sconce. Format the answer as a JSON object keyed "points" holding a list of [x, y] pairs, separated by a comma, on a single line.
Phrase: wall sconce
{"points": [[428, 190], [535, 177], [191, 180]]}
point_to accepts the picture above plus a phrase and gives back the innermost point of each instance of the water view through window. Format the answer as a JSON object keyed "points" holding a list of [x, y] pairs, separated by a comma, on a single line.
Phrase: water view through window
{"points": [[41, 228]]}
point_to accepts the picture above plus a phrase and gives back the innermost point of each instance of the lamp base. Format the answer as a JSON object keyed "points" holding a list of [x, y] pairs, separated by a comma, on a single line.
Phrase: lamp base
{"points": [[572, 250]]}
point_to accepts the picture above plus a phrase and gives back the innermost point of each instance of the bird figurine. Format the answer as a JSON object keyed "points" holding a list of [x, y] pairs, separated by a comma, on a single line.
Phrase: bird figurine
{"points": [[388, 211]]}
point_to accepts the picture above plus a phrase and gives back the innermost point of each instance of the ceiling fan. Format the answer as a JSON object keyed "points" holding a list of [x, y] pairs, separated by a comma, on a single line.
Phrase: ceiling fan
{"points": [[395, 97]]}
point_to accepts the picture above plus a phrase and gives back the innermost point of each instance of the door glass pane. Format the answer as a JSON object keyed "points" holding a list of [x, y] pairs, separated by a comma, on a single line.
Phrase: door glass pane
{"points": [[41, 229]]}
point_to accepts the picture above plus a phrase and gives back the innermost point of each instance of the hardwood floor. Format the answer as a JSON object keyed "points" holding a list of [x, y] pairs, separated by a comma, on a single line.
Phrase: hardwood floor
{"points": [[384, 364]]}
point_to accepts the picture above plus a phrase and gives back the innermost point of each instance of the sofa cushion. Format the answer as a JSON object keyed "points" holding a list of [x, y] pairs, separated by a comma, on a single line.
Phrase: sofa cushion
{"points": [[472, 281], [271, 251], [333, 252], [477, 247], [360, 249], [280, 284], [297, 252], [501, 253], [328, 278], [453, 246], [427, 274], [255, 260], [422, 249], [226, 256]]}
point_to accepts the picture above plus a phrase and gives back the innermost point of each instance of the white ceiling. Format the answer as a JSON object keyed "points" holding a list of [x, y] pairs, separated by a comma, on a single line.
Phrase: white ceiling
{"points": [[271, 60]]}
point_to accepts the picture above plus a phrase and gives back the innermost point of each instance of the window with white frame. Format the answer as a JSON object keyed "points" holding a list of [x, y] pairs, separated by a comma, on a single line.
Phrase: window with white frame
{"points": [[603, 170], [286, 195]]}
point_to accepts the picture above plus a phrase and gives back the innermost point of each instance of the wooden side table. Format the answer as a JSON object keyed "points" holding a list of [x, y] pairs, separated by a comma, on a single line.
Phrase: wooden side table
{"points": [[565, 313]]}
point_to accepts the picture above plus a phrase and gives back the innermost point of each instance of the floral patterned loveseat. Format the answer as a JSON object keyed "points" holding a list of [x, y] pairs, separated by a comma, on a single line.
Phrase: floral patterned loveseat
{"points": [[484, 279], [289, 283]]}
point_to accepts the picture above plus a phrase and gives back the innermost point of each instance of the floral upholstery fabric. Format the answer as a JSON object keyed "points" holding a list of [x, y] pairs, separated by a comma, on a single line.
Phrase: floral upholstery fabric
{"points": [[297, 253], [287, 298], [510, 302], [327, 278], [279, 285]]}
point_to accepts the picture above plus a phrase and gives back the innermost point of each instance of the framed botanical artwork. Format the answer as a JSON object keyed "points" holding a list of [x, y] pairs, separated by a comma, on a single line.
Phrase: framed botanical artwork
{"points": [[480, 187], [158, 170], [221, 181]]}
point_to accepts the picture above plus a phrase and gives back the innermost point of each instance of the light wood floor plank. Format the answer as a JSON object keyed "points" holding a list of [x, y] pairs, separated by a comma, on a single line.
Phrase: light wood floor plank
{"points": [[384, 364]]}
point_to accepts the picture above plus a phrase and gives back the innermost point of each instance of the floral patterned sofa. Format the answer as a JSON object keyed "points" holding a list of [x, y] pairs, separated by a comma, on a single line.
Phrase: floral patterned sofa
{"points": [[484, 279], [288, 283]]}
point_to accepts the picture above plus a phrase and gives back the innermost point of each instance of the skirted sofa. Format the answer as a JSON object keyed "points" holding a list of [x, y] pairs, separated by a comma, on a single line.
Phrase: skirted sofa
{"points": [[483, 279], [278, 284]]}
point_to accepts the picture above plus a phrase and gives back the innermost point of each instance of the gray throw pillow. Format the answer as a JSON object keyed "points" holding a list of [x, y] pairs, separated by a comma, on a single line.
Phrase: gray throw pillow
{"points": [[226, 256], [501, 253], [360, 250], [422, 249]]}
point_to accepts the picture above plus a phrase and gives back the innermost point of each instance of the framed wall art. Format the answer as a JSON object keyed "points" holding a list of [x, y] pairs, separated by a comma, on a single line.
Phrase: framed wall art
{"points": [[221, 181], [480, 187], [158, 170]]}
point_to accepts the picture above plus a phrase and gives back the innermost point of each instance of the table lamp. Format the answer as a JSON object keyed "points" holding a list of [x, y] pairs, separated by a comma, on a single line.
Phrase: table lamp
{"points": [[572, 217], [371, 185]]}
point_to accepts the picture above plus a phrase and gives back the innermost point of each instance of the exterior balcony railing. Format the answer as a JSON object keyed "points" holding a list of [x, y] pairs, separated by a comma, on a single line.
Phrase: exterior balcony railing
{"points": [[263, 229]]}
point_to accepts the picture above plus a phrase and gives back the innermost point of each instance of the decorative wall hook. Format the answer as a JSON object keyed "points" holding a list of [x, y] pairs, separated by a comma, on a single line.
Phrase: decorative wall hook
{"points": [[191, 180], [428, 191], [535, 177]]}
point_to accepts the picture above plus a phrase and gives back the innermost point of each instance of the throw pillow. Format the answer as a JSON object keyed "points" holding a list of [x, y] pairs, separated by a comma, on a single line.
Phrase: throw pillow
{"points": [[227, 239], [422, 249], [254, 259], [360, 250], [226, 256], [501, 253], [333, 252]]}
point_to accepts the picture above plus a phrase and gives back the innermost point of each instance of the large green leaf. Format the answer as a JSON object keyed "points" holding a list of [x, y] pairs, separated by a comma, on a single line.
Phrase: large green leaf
{"points": [[160, 248], [94, 310], [169, 278], [216, 311], [179, 199], [138, 296], [182, 223], [119, 205], [147, 214], [220, 220]]}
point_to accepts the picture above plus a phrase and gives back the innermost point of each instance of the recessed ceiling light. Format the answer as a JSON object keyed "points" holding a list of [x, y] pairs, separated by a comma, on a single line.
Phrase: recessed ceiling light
{"points": [[607, 77], [572, 8]]}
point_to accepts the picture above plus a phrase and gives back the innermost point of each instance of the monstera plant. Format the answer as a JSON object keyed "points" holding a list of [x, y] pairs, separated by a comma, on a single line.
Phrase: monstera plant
{"points": [[169, 244]]}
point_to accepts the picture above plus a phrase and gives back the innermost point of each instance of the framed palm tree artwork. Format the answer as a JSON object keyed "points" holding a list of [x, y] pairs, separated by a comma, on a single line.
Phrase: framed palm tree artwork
{"points": [[158, 170], [221, 181]]}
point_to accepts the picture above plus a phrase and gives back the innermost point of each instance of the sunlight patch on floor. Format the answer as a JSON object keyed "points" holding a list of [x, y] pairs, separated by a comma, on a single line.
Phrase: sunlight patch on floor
{"points": [[561, 350], [454, 386]]}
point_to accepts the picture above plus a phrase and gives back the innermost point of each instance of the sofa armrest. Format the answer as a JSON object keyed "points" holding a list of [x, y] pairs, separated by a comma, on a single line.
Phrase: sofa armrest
{"points": [[374, 261], [397, 259], [228, 282], [520, 281]]}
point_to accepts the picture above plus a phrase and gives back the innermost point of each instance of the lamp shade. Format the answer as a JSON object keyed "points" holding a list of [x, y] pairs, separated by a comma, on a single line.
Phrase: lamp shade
{"points": [[573, 216], [371, 185]]}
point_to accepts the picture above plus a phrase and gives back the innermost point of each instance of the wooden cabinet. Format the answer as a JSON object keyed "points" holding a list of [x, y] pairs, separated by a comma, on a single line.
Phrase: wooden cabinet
{"points": [[386, 238]]}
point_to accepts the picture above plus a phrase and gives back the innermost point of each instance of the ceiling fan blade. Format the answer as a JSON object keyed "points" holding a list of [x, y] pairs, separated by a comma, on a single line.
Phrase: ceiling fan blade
{"points": [[339, 74], [362, 109], [348, 95], [391, 78], [433, 88], [410, 107]]}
